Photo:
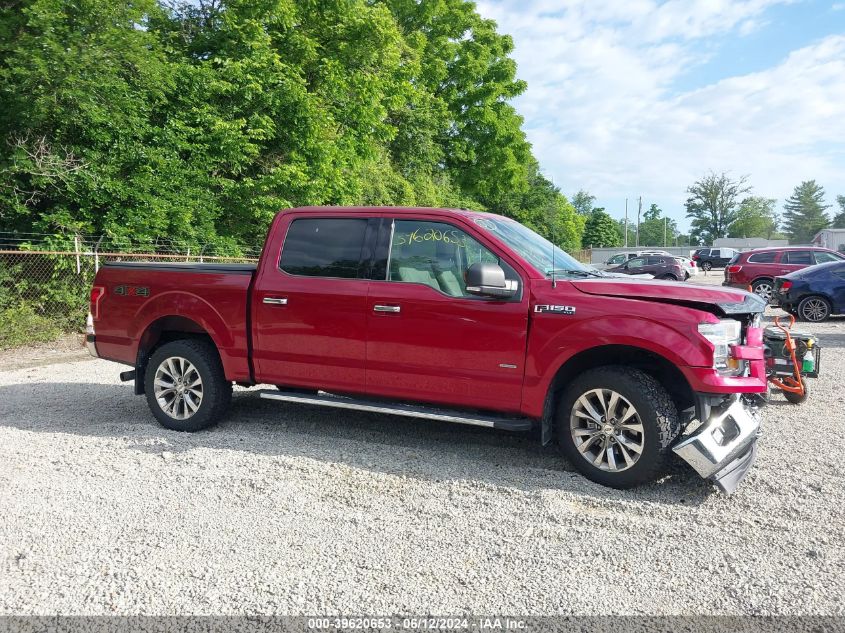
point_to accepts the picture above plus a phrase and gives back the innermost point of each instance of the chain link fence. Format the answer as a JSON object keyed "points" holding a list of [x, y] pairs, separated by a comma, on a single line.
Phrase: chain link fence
{"points": [[45, 280]]}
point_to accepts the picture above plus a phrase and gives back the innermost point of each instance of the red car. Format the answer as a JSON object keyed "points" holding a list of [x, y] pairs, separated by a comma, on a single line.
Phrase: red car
{"points": [[448, 315], [756, 270]]}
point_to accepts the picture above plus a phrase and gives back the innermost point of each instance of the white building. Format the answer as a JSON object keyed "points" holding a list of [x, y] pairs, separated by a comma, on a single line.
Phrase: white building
{"points": [[747, 243], [833, 239]]}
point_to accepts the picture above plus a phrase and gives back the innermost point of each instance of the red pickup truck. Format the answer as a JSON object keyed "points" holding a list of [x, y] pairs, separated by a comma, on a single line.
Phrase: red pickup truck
{"points": [[448, 315]]}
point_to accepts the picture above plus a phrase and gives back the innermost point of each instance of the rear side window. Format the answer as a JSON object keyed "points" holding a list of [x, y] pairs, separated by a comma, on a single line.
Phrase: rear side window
{"points": [[799, 257], [767, 257], [324, 247]]}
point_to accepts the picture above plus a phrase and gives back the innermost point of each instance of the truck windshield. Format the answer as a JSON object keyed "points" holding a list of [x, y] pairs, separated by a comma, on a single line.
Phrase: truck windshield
{"points": [[536, 250]]}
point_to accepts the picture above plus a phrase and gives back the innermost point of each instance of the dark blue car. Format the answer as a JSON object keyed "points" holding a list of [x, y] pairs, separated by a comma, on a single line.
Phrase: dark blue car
{"points": [[813, 293]]}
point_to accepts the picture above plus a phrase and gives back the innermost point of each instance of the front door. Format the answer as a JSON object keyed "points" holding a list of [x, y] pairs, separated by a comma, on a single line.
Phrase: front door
{"points": [[309, 309], [428, 339]]}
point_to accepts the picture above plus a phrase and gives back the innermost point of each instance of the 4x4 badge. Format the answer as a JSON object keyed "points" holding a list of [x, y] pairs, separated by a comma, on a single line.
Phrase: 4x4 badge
{"points": [[555, 309]]}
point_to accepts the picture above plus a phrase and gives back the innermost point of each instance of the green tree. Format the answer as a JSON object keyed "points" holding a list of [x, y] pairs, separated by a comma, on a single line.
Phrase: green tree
{"points": [[804, 212], [839, 218], [755, 217], [712, 205], [197, 120], [583, 202], [632, 232], [657, 230], [600, 230]]}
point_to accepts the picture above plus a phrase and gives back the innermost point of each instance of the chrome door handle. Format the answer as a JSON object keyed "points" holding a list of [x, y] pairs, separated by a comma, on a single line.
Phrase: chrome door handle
{"points": [[276, 301], [383, 308]]}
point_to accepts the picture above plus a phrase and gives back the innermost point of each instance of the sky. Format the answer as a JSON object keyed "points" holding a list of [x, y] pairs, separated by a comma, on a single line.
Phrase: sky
{"points": [[630, 98]]}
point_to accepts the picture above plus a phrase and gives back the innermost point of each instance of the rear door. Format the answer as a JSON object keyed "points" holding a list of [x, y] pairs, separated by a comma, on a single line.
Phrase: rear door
{"points": [[428, 339], [310, 305], [791, 261]]}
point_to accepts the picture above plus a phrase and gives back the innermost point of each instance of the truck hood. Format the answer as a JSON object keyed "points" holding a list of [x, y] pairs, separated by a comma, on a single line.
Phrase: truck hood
{"points": [[726, 301]]}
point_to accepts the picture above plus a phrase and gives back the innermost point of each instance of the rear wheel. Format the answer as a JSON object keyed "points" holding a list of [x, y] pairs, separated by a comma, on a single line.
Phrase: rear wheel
{"points": [[185, 385], [668, 277], [706, 266], [615, 424], [764, 288], [814, 309]]}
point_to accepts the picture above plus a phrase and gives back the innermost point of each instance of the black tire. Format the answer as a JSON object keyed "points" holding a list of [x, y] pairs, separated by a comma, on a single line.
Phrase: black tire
{"points": [[668, 277], [657, 413], [795, 398], [759, 289], [705, 266], [814, 309], [215, 389]]}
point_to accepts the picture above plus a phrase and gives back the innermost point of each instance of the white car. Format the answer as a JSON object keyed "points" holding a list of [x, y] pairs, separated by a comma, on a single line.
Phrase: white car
{"points": [[688, 264]]}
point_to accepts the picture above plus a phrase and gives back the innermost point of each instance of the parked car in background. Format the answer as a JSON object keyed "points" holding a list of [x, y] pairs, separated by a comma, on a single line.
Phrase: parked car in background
{"points": [[709, 258], [621, 258], [659, 266], [690, 267], [757, 269], [813, 293]]}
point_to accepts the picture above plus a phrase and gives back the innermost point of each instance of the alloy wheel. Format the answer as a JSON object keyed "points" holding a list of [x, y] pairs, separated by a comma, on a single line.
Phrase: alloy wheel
{"points": [[178, 388], [607, 430], [814, 310], [764, 290]]}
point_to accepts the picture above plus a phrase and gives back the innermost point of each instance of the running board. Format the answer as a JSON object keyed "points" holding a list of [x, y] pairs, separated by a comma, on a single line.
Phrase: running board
{"points": [[374, 406]]}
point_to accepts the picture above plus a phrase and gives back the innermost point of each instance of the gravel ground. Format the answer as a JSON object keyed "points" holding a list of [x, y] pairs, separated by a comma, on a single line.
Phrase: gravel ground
{"points": [[285, 509]]}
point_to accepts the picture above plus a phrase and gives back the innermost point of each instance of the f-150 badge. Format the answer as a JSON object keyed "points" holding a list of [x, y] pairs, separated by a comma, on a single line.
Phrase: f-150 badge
{"points": [[555, 309]]}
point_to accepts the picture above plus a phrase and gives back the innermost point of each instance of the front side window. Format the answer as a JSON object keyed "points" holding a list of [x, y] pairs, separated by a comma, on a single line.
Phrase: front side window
{"points": [[639, 262], [823, 258], [616, 259], [437, 255], [804, 258], [324, 247]]}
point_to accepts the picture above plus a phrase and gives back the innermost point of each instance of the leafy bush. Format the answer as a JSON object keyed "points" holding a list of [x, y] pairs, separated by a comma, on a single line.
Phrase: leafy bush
{"points": [[22, 325]]}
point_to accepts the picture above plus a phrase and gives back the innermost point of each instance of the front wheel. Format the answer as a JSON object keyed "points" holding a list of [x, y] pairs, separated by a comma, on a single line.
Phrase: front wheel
{"points": [[185, 385], [616, 424]]}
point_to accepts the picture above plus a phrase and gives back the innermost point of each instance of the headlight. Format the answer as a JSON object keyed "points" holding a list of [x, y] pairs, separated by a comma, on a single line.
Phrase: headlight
{"points": [[723, 334]]}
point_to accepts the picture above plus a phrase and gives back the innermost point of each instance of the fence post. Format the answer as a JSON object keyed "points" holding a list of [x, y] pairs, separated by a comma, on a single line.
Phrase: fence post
{"points": [[97, 255], [76, 248]]}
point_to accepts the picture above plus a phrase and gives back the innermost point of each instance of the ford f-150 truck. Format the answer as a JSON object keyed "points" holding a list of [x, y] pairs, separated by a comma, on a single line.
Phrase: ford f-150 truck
{"points": [[448, 315]]}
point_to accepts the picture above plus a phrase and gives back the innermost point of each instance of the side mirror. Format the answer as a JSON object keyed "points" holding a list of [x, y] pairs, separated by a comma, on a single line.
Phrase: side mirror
{"points": [[488, 280]]}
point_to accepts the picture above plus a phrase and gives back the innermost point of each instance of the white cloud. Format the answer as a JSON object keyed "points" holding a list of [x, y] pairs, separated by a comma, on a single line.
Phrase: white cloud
{"points": [[602, 111]]}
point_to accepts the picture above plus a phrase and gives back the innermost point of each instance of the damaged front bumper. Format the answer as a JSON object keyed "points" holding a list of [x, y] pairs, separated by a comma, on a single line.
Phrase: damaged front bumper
{"points": [[723, 446]]}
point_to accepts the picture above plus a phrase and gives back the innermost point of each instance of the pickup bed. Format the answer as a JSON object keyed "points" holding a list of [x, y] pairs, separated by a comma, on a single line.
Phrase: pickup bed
{"points": [[448, 315]]}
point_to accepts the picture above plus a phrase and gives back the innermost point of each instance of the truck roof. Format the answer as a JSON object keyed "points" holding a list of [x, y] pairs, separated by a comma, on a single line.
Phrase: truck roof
{"points": [[390, 209]]}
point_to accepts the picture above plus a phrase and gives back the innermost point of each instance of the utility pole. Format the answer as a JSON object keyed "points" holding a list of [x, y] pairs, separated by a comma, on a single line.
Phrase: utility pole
{"points": [[664, 232], [639, 210], [626, 222]]}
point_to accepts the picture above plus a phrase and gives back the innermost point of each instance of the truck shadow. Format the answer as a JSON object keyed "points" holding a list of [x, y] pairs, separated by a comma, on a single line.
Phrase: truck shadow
{"points": [[422, 449]]}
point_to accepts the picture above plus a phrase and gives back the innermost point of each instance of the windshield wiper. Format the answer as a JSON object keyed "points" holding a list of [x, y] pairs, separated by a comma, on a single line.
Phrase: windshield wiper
{"points": [[578, 273]]}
